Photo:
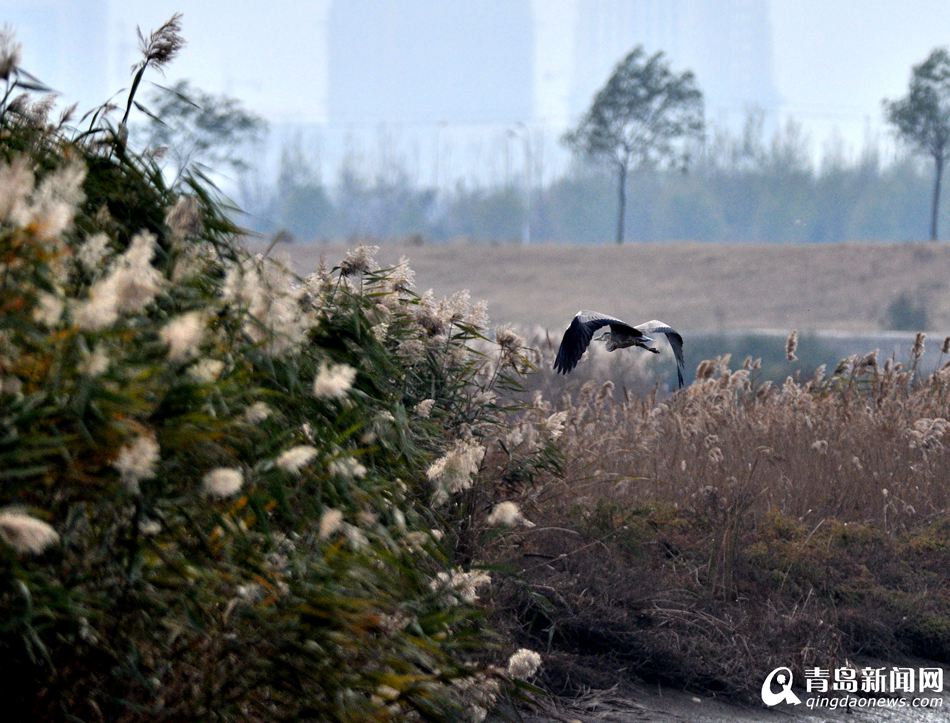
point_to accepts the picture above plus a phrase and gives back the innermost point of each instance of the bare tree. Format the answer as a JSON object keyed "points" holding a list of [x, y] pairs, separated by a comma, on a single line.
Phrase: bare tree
{"points": [[199, 128], [922, 118], [644, 116]]}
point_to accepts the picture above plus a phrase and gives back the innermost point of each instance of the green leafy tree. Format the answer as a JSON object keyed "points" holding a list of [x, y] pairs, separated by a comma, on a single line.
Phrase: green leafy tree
{"points": [[922, 118], [200, 128], [643, 117]]}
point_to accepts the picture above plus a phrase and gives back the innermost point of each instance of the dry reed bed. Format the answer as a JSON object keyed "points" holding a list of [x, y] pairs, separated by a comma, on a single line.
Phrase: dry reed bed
{"points": [[864, 445], [733, 527]]}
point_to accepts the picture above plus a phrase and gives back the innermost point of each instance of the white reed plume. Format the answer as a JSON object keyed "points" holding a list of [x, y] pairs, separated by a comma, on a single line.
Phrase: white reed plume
{"points": [[330, 523], [791, 345], [26, 534], [137, 461], [223, 482], [183, 335], [507, 514], [523, 664], [333, 381], [296, 458]]}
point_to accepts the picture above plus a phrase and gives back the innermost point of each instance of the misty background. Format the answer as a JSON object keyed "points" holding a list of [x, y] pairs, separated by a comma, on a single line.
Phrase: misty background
{"points": [[441, 120]]}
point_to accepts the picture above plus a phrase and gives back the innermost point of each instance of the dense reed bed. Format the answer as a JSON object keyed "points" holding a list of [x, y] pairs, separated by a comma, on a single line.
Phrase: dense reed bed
{"points": [[227, 491], [707, 537]]}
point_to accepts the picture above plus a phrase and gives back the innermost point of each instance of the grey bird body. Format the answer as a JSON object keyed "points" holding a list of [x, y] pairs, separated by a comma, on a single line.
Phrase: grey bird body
{"points": [[622, 335]]}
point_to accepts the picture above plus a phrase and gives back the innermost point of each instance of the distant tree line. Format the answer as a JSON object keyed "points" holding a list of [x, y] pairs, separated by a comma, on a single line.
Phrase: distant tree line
{"points": [[646, 168], [739, 187]]}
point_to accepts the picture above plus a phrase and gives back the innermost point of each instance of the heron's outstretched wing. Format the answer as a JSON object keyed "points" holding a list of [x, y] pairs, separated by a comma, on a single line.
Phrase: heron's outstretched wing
{"points": [[578, 335], [676, 342]]}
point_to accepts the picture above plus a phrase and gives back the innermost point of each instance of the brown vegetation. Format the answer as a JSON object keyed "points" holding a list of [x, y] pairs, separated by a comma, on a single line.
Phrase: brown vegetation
{"points": [[710, 286], [706, 538]]}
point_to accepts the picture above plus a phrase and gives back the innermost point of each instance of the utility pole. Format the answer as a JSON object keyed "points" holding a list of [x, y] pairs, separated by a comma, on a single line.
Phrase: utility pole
{"points": [[526, 221]]}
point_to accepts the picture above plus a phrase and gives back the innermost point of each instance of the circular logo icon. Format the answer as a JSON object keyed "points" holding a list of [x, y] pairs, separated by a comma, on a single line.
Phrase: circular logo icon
{"points": [[783, 678]]}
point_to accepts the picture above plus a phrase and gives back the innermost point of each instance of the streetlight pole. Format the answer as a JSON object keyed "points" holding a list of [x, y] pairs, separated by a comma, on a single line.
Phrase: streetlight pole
{"points": [[526, 221], [438, 155]]}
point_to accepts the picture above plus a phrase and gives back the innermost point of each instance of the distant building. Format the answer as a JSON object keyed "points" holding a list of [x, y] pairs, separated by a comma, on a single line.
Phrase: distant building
{"points": [[430, 61], [731, 44], [65, 44], [726, 43]]}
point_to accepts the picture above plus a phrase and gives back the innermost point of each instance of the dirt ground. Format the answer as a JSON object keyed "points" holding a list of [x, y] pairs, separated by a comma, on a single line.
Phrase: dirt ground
{"points": [[845, 287], [638, 703]]}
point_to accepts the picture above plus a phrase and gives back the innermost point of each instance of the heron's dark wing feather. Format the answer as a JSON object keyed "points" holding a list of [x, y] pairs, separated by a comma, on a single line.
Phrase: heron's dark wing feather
{"points": [[595, 317], [676, 343], [578, 335]]}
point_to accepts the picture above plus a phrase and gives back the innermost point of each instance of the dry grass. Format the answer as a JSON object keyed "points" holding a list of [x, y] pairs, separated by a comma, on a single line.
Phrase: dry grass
{"points": [[705, 539], [825, 447], [693, 286]]}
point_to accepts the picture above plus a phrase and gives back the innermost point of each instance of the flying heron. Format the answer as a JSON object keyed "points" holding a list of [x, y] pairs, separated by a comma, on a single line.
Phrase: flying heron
{"points": [[621, 335]]}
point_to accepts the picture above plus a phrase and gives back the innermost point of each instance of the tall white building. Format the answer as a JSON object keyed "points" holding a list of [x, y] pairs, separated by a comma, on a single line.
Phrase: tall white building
{"points": [[430, 61], [726, 43], [432, 86]]}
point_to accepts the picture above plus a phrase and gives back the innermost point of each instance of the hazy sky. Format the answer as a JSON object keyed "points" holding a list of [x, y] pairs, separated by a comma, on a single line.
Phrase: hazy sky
{"points": [[834, 60]]}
